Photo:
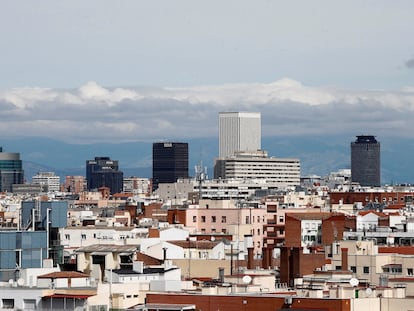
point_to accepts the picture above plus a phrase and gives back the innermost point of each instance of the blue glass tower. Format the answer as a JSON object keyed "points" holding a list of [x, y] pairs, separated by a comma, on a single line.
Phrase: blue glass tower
{"points": [[11, 170], [366, 161]]}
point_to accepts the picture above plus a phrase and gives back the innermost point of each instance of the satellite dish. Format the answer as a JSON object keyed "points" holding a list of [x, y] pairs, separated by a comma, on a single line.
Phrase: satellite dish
{"points": [[368, 291], [20, 282], [354, 282], [213, 239], [247, 279]]}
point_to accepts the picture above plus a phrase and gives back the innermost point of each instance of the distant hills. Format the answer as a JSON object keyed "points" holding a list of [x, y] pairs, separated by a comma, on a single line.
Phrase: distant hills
{"points": [[318, 155]]}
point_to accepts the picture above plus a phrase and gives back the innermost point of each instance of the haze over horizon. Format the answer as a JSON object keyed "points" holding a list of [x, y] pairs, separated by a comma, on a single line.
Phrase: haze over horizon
{"points": [[105, 71]]}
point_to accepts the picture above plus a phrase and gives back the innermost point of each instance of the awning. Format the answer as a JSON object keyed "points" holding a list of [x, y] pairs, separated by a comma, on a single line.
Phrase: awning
{"points": [[164, 306], [69, 296]]}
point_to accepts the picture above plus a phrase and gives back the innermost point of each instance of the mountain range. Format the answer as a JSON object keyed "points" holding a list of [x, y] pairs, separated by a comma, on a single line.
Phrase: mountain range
{"points": [[318, 155]]}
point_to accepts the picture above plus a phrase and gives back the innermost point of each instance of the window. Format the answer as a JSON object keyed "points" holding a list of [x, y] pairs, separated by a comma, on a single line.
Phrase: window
{"points": [[247, 219], [67, 236], [392, 269], [281, 219], [353, 269], [224, 231], [223, 219], [8, 303], [213, 218], [29, 304], [366, 269], [203, 218], [203, 230], [258, 218], [338, 268], [194, 218], [83, 236], [258, 231]]}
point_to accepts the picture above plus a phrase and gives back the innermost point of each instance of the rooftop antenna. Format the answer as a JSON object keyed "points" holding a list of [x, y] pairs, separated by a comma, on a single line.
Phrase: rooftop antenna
{"points": [[201, 175]]}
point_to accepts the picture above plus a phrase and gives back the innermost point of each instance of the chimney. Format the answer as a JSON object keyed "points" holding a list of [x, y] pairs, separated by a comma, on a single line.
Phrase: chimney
{"points": [[269, 256], [265, 263], [250, 258], [344, 259], [221, 275], [164, 254]]}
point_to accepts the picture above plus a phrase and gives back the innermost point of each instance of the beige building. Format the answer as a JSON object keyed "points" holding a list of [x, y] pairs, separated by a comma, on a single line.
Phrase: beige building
{"points": [[282, 171], [374, 265]]}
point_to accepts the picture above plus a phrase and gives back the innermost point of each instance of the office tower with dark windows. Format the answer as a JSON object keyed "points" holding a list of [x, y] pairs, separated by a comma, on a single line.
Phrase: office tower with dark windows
{"points": [[11, 170], [169, 162], [239, 131], [365, 161], [104, 172]]}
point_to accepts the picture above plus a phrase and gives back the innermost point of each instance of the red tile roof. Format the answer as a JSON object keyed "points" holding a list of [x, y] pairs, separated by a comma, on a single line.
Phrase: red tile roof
{"points": [[403, 250], [311, 215], [203, 244], [63, 275], [148, 260]]}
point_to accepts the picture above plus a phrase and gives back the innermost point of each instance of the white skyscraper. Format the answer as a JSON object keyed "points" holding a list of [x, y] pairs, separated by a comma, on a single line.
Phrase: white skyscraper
{"points": [[239, 131]]}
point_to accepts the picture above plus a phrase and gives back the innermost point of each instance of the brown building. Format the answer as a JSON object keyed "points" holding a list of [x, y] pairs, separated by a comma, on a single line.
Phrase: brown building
{"points": [[367, 197], [306, 236], [249, 302], [75, 184]]}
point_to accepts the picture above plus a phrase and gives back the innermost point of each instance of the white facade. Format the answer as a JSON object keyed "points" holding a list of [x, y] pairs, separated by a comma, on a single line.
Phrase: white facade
{"points": [[48, 180], [310, 233], [74, 237], [172, 251], [367, 221], [21, 298], [284, 171], [136, 185], [239, 131]]}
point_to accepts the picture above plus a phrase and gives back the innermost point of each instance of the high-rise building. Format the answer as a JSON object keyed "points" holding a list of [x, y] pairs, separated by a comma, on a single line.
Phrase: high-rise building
{"points": [[11, 170], [239, 131], [169, 162], [48, 180], [257, 165], [104, 172], [75, 184], [365, 161]]}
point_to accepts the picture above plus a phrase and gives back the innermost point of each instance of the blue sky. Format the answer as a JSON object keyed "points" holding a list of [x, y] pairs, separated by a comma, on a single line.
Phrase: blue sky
{"points": [[128, 70]]}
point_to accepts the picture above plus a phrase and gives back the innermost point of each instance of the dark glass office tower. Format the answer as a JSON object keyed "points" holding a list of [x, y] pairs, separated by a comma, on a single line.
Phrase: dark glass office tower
{"points": [[104, 172], [169, 162], [365, 161], [11, 170]]}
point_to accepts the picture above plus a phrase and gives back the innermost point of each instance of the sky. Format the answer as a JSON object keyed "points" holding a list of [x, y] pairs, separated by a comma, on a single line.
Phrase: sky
{"points": [[100, 71]]}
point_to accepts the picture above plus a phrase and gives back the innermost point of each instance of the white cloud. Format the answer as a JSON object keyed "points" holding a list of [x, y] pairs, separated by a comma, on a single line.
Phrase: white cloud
{"points": [[95, 113], [94, 92]]}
